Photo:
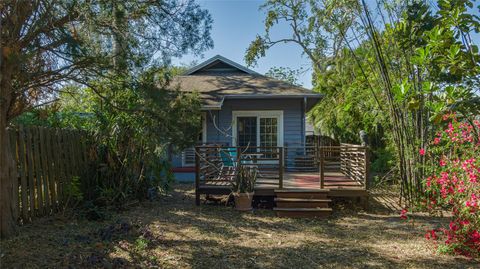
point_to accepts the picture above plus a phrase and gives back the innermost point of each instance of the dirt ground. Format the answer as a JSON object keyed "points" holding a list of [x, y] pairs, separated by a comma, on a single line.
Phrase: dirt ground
{"points": [[174, 233]]}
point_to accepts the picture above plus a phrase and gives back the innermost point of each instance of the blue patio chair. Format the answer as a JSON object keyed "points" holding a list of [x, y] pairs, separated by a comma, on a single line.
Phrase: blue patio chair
{"points": [[229, 157]]}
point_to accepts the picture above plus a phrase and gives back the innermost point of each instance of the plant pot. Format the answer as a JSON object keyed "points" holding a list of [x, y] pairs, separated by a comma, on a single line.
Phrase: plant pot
{"points": [[243, 201]]}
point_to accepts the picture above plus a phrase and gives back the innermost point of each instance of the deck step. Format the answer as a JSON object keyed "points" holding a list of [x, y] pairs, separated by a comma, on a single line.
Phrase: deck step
{"points": [[301, 203], [302, 190], [301, 200], [302, 193], [303, 212]]}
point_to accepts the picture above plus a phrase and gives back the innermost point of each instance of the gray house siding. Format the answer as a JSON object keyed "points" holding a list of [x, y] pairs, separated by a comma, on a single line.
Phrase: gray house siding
{"points": [[293, 130]]}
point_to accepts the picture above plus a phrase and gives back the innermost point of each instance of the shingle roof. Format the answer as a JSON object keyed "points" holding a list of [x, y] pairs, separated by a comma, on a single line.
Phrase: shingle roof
{"points": [[214, 86]]}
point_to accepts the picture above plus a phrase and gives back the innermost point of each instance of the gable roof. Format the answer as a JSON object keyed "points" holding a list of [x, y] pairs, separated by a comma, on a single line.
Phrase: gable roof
{"points": [[219, 78], [219, 59]]}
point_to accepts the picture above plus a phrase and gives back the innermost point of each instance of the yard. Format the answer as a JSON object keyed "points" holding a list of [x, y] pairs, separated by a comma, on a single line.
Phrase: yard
{"points": [[174, 233]]}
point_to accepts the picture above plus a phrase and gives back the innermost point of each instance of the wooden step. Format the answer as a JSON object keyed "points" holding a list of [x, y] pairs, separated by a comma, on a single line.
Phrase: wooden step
{"points": [[303, 212], [301, 203], [302, 193]]}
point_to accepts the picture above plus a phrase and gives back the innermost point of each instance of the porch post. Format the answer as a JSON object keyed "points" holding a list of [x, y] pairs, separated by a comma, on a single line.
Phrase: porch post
{"points": [[366, 167], [197, 176], [321, 167], [281, 167]]}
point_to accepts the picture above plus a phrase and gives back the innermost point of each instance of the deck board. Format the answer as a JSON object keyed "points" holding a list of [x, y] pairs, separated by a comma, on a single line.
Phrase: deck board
{"points": [[299, 180]]}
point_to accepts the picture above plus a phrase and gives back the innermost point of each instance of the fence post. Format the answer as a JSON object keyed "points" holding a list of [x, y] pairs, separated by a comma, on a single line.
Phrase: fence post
{"points": [[281, 162], [197, 176], [321, 168]]}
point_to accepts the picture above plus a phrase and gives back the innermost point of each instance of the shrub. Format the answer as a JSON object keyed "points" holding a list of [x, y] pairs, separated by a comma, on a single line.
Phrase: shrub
{"points": [[453, 184], [245, 178]]}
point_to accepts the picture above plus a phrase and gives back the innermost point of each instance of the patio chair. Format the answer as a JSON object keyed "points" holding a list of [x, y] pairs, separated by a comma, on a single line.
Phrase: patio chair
{"points": [[228, 167]]}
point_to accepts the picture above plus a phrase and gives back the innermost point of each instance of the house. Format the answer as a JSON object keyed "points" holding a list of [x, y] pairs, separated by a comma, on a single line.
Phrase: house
{"points": [[241, 107], [254, 121]]}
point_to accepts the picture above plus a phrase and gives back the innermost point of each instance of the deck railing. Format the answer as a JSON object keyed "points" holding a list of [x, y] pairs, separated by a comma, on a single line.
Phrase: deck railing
{"points": [[349, 159], [301, 158], [216, 166]]}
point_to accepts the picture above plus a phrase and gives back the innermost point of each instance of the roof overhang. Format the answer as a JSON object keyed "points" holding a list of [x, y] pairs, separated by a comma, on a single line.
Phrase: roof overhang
{"points": [[311, 99]]}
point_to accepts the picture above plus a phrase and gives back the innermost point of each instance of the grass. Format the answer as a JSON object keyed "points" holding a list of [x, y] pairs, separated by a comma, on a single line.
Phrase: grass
{"points": [[174, 233]]}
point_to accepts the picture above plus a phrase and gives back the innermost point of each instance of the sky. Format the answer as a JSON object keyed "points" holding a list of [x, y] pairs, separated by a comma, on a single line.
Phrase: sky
{"points": [[236, 23]]}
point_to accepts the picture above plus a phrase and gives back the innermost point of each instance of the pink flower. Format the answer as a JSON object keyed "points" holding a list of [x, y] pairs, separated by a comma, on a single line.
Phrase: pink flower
{"points": [[436, 140], [403, 214], [431, 235], [453, 226], [475, 236], [442, 162], [422, 151]]}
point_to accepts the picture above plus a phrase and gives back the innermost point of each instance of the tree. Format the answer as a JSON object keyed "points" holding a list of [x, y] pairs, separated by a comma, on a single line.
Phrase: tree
{"points": [[46, 44], [286, 74], [413, 64]]}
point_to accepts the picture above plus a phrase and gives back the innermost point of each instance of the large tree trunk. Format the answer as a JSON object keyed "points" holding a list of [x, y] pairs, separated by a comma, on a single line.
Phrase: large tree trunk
{"points": [[8, 171], [8, 209]]}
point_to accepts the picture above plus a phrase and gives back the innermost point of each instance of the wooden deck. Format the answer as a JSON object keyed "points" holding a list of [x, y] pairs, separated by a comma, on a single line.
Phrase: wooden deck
{"points": [[338, 184], [342, 171]]}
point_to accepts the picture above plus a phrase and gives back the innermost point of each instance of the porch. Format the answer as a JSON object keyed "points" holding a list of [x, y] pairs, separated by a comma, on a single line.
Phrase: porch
{"points": [[341, 171]]}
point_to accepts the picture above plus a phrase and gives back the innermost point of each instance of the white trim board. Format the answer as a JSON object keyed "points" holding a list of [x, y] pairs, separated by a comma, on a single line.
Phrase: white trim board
{"points": [[222, 59], [204, 141], [259, 114]]}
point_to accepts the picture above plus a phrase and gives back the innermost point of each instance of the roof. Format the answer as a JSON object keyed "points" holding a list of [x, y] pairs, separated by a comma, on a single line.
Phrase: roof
{"points": [[218, 58], [218, 79]]}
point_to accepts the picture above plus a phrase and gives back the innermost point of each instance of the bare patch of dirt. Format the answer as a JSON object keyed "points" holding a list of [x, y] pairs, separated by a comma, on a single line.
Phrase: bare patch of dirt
{"points": [[174, 233]]}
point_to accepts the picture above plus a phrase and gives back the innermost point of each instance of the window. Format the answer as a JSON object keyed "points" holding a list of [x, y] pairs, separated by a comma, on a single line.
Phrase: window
{"points": [[188, 155]]}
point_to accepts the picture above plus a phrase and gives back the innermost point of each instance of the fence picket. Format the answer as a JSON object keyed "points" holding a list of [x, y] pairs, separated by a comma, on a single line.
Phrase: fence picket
{"points": [[50, 165], [30, 167], [67, 155], [45, 178], [21, 160], [38, 170]]}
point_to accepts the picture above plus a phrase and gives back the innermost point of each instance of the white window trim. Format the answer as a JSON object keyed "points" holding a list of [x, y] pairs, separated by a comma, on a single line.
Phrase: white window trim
{"points": [[204, 141], [259, 114]]}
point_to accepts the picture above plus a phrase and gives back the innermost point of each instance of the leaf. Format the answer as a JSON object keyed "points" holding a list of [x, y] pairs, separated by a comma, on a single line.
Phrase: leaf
{"points": [[347, 107], [413, 104]]}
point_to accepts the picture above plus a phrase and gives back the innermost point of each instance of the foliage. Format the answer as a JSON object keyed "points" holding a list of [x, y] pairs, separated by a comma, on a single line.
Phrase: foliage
{"points": [[454, 184], [383, 160], [73, 192], [132, 133], [390, 68], [244, 181], [285, 74], [111, 47]]}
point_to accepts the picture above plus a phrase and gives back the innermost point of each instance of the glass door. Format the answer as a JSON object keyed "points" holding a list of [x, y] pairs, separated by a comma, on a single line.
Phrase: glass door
{"points": [[247, 132], [268, 132], [263, 128]]}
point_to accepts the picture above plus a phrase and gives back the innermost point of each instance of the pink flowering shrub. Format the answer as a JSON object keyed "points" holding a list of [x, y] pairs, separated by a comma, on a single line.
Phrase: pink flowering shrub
{"points": [[454, 184]]}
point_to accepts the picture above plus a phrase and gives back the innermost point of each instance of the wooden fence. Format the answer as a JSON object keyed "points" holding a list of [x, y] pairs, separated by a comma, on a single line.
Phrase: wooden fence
{"points": [[47, 160]]}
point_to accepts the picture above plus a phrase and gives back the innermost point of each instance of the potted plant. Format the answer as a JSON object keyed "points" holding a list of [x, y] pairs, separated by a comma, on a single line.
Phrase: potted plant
{"points": [[243, 186]]}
